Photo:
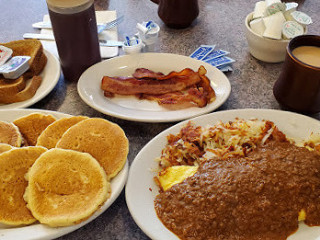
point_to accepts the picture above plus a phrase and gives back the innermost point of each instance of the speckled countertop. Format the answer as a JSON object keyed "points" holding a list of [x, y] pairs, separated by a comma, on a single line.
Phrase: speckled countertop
{"points": [[220, 22]]}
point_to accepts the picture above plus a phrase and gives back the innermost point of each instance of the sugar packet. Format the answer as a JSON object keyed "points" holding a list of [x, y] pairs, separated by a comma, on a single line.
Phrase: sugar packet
{"points": [[220, 61], [215, 54], [225, 68], [201, 52]]}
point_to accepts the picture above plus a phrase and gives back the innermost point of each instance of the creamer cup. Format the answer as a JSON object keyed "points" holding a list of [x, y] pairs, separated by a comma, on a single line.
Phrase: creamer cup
{"points": [[135, 46], [259, 9], [291, 29], [149, 37], [301, 18]]}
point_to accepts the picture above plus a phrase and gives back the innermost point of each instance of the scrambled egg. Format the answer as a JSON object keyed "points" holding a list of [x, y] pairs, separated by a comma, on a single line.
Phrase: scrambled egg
{"points": [[175, 174], [302, 215]]}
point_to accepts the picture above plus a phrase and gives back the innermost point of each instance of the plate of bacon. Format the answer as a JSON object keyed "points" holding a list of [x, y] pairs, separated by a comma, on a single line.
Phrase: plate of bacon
{"points": [[153, 87]]}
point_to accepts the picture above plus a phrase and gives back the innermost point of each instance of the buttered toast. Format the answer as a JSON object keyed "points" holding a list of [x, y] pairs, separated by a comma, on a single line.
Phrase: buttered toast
{"points": [[26, 85], [32, 48]]}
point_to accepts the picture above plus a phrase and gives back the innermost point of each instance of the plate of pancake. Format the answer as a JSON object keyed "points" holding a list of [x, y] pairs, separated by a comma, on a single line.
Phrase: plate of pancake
{"points": [[145, 167], [131, 107], [57, 177], [35, 84]]}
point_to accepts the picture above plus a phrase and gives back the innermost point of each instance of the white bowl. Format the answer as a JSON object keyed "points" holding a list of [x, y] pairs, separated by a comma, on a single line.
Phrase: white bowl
{"points": [[265, 49]]}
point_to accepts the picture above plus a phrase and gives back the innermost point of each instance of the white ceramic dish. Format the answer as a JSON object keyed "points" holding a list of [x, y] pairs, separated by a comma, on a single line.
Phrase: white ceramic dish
{"points": [[265, 49], [50, 77], [39, 231], [131, 108], [141, 189]]}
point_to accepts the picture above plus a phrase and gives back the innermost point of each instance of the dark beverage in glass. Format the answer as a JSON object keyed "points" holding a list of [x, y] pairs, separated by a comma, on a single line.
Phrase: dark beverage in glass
{"points": [[75, 30]]}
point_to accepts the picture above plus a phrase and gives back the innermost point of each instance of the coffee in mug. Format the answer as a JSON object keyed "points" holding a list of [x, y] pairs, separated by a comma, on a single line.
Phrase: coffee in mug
{"points": [[308, 54], [298, 86]]}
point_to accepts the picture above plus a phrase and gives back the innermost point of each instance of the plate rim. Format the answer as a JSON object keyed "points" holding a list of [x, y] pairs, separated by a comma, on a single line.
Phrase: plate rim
{"points": [[222, 99], [39, 96], [49, 233], [178, 126]]}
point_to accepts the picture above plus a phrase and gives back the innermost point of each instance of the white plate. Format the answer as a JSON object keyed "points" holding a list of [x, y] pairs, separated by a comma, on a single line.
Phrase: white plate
{"points": [[131, 108], [50, 77], [40, 231], [141, 189]]}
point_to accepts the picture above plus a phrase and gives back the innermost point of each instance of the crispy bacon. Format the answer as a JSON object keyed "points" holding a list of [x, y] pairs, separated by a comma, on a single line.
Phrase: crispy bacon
{"points": [[141, 73], [174, 90], [205, 84], [193, 95], [174, 81]]}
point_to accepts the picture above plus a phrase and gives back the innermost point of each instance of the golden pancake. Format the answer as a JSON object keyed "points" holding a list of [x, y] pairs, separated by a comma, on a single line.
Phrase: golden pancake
{"points": [[10, 134], [14, 164], [104, 140], [65, 187], [5, 147], [51, 135], [32, 125]]}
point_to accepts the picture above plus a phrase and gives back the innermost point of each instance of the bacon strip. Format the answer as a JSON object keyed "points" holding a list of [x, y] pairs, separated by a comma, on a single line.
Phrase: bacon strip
{"points": [[193, 95], [174, 81], [146, 73], [205, 84]]}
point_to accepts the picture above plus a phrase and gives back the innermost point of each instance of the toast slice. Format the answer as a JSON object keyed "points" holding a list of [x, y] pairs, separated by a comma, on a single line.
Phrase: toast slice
{"points": [[9, 86], [25, 86], [28, 92], [32, 48]]}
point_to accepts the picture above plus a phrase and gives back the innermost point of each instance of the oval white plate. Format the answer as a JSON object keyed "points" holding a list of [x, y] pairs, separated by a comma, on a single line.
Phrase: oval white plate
{"points": [[131, 108], [141, 189], [40, 231], [50, 77]]}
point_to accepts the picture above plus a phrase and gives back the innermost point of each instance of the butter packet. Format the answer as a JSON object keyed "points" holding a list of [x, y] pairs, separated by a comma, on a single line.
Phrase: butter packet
{"points": [[5, 54], [15, 67]]}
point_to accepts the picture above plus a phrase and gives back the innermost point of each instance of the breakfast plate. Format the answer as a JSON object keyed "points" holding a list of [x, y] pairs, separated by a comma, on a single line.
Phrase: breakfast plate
{"points": [[40, 231], [130, 107], [140, 200], [50, 77]]}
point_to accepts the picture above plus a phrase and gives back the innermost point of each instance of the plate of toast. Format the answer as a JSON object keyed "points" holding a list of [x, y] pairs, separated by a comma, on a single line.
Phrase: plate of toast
{"points": [[54, 179], [34, 84]]}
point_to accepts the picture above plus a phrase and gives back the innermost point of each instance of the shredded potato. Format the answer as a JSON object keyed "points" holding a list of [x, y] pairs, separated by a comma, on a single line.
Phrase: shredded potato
{"points": [[194, 144]]}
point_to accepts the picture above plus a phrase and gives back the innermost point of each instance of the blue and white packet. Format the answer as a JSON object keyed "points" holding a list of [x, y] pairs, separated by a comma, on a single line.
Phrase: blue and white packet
{"points": [[215, 54], [225, 68], [220, 61], [15, 67], [201, 52]]}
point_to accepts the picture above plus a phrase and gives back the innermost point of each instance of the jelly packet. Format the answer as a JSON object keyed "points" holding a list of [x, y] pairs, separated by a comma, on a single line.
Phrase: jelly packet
{"points": [[15, 67], [5, 54]]}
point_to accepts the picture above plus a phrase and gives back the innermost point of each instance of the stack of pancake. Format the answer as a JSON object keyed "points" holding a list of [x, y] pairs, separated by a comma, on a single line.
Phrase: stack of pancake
{"points": [[24, 87], [57, 172]]}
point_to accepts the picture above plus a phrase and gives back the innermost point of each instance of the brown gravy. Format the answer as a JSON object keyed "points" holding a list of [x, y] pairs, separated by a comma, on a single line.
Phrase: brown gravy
{"points": [[257, 197]]}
